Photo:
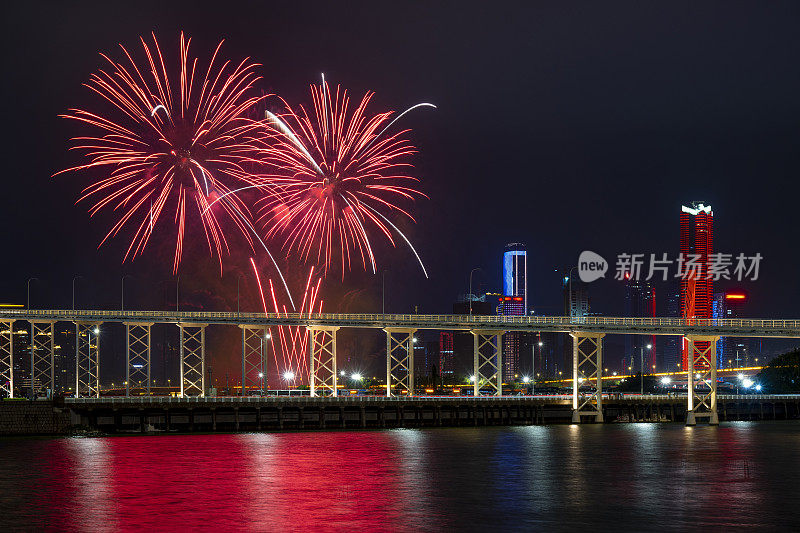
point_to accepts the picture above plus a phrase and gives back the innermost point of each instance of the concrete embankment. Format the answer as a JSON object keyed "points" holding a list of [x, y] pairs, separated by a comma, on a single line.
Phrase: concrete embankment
{"points": [[164, 414]]}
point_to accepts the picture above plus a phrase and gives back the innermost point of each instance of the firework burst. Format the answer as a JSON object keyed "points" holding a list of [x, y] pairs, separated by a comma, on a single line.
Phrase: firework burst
{"points": [[340, 179], [173, 146]]}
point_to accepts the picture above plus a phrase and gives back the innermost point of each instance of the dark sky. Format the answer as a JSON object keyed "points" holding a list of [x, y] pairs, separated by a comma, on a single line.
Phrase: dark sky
{"points": [[566, 126]]}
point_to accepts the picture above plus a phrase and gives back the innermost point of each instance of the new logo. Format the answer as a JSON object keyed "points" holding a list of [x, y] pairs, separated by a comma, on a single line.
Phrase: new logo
{"points": [[591, 266]]}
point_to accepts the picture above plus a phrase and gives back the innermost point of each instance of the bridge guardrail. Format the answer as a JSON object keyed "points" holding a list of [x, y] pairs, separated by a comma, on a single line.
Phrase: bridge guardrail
{"points": [[138, 400], [380, 320]]}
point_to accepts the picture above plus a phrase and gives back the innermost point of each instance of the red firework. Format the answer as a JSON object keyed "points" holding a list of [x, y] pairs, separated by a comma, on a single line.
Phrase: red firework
{"points": [[172, 147], [292, 341], [340, 179]]}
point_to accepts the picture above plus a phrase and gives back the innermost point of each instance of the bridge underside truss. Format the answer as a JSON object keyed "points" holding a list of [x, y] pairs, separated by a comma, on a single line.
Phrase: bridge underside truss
{"points": [[193, 359], [702, 379], [399, 361], [488, 361], [87, 360], [137, 356], [42, 356], [322, 346], [254, 364], [587, 368], [7, 359]]}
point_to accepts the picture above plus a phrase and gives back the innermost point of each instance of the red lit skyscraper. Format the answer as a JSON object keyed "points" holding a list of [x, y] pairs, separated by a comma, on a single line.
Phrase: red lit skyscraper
{"points": [[697, 244]]}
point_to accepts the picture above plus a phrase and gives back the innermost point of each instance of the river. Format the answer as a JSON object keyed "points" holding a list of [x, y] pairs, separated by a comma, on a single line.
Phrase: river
{"points": [[621, 477]]}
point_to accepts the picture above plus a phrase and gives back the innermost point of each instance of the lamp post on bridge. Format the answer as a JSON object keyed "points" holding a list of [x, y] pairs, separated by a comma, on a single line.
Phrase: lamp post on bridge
{"points": [[28, 304], [122, 292], [238, 308], [73, 290], [383, 292]]}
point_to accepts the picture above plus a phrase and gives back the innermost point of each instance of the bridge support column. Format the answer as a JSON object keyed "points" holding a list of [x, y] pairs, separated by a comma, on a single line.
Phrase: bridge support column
{"points": [[587, 365], [87, 359], [193, 359], [702, 379], [254, 362], [42, 355], [7, 358], [323, 377], [399, 360], [137, 354], [488, 361]]}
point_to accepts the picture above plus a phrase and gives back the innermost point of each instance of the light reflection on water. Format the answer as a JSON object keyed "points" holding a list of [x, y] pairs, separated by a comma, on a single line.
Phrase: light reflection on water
{"points": [[627, 476]]}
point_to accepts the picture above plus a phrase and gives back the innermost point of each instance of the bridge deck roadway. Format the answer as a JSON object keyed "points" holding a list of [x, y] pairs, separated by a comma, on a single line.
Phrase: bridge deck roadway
{"points": [[609, 325]]}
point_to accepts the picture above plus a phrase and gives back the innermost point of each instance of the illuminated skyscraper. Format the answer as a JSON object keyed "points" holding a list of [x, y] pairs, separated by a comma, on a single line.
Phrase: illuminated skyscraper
{"points": [[697, 243], [515, 272], [640, 301], [515, 303], [731, 351], [446, 358]]}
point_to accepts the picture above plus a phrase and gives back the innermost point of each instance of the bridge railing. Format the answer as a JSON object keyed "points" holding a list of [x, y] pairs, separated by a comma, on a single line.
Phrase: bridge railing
{"points": [[391, 319], [383, 399]]}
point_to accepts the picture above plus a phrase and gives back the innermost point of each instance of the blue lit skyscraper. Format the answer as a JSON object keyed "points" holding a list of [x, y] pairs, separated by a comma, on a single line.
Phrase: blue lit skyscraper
{"points": [[514, 303], [515, 273]]}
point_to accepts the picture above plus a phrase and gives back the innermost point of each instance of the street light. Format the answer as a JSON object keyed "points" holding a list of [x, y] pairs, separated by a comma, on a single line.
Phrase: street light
{"points": [[356, 377], [383, 292], [28, 306], [526, 379], [122, 291], [73, 290]]}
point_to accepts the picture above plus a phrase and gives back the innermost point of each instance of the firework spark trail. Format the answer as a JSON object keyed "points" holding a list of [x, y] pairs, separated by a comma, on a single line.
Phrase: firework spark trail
{"points": [[339, 176], [175, 147], [293, 341]]}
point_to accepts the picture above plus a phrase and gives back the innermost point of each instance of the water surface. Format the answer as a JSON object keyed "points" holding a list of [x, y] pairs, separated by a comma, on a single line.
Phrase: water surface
{"points": [[625, 477]]}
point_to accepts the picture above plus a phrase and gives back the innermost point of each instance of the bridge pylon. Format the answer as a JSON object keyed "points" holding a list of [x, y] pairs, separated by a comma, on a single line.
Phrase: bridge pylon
{"points": [[322, 378], [400, 360], [42, 354], [254, 353], [702, 380], [137, 354], [7, 357], [488, 361], [193, 359], [87, 359], [587, 366]]}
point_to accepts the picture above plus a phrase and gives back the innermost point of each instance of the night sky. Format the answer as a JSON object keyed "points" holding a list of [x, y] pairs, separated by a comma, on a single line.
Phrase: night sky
{"points": [[565, 127]]}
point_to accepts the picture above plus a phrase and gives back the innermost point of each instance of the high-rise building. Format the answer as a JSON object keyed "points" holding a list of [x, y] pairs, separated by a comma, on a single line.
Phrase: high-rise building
{"points": [[576, 297], [515, 272], [515, 303], [422, 364], [446, 359], [697, 244], [731, 351], [640, 301], [670, 346]]}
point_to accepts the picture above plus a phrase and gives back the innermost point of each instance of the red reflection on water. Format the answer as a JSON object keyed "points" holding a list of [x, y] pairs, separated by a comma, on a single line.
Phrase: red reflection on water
{"points": [[257, 481]]}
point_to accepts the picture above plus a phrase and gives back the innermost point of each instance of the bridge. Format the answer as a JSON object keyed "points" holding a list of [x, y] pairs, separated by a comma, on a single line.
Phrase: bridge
{"points": [[487, 330]]}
